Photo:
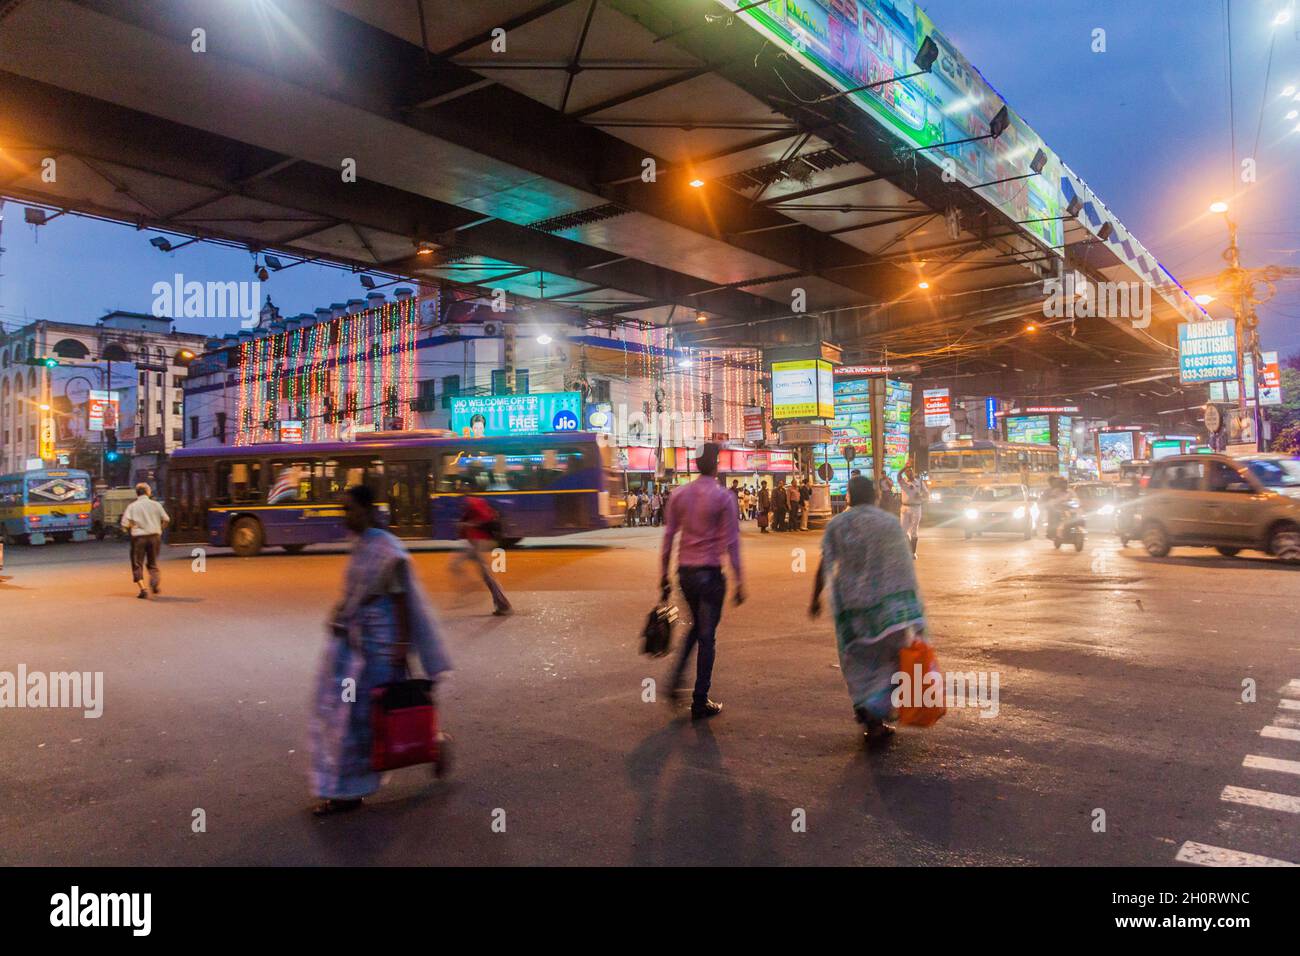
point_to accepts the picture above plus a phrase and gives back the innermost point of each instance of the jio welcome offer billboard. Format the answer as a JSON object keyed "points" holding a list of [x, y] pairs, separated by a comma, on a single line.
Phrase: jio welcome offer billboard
{"points": [[492, 415]]}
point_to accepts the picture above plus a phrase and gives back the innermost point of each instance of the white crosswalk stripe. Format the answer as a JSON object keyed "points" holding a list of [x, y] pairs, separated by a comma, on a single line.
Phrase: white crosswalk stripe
{"points": [[1256, 762], [1202, 854], [1281, 733], [1261, 798], [1285, 726]]}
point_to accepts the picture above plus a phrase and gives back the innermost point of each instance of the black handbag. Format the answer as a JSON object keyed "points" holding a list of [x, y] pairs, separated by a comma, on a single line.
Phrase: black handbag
{"points": [[657, 638]]}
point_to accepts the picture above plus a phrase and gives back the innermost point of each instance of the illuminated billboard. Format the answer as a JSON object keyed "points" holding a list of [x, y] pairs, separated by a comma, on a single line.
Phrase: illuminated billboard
{"points": [[489, 415], [1030, 429], [802, 389], [851, 43]]}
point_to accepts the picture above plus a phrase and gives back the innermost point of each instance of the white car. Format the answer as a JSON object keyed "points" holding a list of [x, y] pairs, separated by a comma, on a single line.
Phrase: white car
{"points": [[1000, 509]]}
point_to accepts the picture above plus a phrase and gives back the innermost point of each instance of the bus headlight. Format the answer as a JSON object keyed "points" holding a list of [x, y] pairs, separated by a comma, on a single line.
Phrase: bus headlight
{"points": [[936, 496], [971, 514], [1019, 513], [1107, 510]]}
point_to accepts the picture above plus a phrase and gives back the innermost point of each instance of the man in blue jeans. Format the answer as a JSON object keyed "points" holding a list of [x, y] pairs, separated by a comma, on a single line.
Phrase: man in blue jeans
{"points": [[704, 514]]}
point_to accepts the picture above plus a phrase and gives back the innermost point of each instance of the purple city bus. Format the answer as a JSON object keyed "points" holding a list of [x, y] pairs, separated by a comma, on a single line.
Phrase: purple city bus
{"points": [[289, 495]]}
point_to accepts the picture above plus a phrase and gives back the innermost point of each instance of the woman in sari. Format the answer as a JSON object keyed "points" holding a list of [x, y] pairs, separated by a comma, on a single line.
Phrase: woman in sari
{"points": [[875, 603], [381, 616]]}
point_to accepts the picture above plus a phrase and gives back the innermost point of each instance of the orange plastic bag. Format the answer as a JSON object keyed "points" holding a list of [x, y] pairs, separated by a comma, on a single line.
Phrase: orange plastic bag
{"points": [[916, 661]]}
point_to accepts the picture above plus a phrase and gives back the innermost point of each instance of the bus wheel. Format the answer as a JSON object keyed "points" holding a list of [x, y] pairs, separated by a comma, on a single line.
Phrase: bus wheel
{"points": [[246, 537], [294, 548]]}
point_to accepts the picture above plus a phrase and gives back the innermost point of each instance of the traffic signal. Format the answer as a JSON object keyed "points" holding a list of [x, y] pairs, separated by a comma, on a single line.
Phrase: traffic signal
{"points": [[45, 362], [110, 456]]}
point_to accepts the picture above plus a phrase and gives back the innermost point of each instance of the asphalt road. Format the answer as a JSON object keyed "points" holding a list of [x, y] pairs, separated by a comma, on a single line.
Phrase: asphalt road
{"points": [[1120, 691]]}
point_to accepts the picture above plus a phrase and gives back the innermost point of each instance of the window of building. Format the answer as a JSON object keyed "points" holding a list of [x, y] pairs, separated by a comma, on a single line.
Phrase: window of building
{"points": [[194, 426], [221, 426], [178, 434]]}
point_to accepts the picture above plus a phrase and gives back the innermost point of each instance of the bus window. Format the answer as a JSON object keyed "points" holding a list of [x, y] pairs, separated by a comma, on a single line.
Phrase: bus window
{"points": [[292, 482], [982, 460], [240, 482], [945, 461]]}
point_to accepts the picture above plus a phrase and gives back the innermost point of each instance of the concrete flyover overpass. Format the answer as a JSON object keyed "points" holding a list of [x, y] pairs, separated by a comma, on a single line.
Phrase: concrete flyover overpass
{"points": [[505, 143]]}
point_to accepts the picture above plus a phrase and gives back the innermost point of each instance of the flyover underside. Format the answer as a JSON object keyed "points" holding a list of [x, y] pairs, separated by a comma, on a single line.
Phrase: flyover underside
{"points": [[546, 200]]}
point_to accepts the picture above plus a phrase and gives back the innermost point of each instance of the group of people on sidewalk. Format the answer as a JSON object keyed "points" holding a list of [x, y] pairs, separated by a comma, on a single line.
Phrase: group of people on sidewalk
{"points": [[784, 507]]}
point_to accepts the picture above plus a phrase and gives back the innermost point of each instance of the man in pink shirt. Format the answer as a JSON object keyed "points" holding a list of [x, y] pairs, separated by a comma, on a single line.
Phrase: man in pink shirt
{"points": [[703, 514]]}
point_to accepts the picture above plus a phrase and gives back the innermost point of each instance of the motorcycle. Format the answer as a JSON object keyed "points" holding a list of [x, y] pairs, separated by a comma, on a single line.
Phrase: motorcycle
{"points": [[1069, 526]]}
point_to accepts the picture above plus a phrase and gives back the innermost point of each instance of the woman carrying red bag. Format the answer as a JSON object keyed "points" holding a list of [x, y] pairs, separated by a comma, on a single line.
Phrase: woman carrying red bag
{"points": [[875, 602], [383, 613]]}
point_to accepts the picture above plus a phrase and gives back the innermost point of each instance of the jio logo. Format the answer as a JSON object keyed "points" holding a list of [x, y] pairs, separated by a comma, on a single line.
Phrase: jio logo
{"points": [[566, 421]]}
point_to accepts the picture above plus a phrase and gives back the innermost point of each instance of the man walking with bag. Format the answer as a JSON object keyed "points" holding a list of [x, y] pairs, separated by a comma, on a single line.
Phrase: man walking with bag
{"points": [[703, 513], [145, 519]]}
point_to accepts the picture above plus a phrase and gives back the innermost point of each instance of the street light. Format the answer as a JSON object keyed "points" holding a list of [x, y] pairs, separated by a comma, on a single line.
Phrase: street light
{"points": [[1282, 17], [1219, 206], [544, 339], [1204, 299]]}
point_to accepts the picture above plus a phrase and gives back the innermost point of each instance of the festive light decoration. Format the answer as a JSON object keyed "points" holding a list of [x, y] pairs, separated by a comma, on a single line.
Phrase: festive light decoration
{"points": [[358, 366]]}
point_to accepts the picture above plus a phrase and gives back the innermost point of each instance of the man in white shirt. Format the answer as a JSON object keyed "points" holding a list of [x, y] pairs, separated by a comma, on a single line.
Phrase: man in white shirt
{"points": [[145, 519]]}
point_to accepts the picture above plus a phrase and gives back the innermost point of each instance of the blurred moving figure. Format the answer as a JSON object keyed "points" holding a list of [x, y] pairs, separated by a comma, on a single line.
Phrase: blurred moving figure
{"points": [[381, 615], [875, 601], [915, 494], [145, 519], [480, 526], [704, 514]]}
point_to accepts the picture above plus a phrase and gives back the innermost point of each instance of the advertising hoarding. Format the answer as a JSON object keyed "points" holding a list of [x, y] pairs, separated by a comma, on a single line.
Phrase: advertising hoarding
{"points": [[1207, 351], [938, 409], [85, 403], [1030, 429], [851, 43], [536, 414], [802, 389], [1114, 448]]}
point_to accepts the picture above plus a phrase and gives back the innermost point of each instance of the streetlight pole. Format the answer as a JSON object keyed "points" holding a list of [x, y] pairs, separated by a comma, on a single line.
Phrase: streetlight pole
{"points": [[1247, 324]]}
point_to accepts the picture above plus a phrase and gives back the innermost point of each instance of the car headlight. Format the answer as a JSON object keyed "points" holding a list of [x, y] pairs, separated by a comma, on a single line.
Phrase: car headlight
{"points": [[1107, 510], [971, 514], [936, 496], [1072, 503], [1019, 513]]}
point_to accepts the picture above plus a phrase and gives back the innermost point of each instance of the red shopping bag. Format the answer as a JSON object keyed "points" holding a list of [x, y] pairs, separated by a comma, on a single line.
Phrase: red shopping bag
{"points": [[916, 660], [403, 724]]}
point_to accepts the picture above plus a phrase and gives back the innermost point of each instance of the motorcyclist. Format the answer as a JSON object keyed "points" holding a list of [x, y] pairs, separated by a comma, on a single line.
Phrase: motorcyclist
{"points": [[1050, 505]]}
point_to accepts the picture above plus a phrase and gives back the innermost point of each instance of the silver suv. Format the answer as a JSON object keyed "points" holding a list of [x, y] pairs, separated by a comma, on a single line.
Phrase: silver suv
{"points": [[1213, 501]]}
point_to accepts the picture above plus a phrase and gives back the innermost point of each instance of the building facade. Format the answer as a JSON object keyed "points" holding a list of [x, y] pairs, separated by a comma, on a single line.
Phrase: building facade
{"points": [[140, 359], [401, 364]]}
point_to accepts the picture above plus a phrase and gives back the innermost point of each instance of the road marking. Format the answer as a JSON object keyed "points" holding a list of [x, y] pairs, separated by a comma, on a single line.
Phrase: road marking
{"points": [[1281, 733], [1283, 720], [1292, 687], [1271, 763], [1286, 704], [1261, 798], [1202, 854]]}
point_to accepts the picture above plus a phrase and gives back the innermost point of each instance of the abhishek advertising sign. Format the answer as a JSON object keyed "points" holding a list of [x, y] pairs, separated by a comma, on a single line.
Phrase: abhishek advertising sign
{"points": [[1207, 351]]}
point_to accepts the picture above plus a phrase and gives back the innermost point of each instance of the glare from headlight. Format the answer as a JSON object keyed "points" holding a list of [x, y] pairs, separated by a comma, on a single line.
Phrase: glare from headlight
{"points": [[1107, 510], [1033, 510], [1019, 512], [936, 496], [971, 514]]}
